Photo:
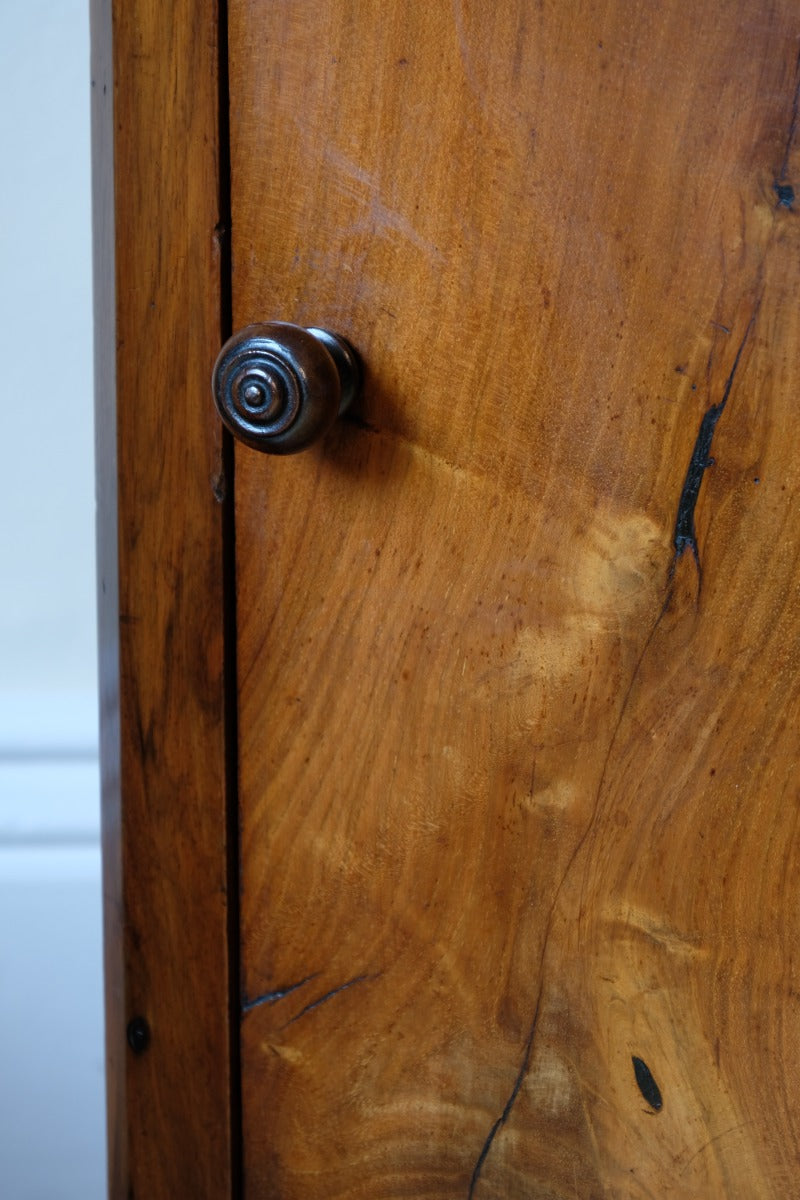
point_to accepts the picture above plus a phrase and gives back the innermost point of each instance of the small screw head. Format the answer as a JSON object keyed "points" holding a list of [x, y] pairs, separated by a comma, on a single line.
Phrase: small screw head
{"points": [[138, 1034]]}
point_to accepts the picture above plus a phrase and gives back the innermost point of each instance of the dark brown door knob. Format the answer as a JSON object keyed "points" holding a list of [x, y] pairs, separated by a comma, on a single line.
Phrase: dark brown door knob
{"points": [[279, 387]]}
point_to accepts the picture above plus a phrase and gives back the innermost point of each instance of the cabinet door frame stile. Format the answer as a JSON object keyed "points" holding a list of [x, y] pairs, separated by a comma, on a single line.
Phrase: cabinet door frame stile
{"points": [[161, 282]]}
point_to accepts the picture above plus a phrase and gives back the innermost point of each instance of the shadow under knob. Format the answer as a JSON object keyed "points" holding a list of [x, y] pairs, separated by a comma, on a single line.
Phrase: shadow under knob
{"points": [[279, 387]]}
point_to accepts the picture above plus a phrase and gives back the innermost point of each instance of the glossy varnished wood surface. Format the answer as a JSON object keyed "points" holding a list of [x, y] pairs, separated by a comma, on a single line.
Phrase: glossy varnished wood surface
{"points": [[155, 110], [518, 688]]}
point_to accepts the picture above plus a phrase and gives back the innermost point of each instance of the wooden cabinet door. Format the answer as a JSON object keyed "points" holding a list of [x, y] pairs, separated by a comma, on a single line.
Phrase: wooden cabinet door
{"points": [[518, 642]]}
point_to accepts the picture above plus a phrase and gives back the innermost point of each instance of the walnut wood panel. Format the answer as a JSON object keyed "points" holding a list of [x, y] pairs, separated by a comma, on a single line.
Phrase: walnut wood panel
{"points": [[161, 604], [518, 644]]}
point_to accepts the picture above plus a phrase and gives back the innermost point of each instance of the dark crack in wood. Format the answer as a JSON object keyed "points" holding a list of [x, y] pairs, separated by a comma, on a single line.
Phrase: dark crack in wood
{"points": [[278, 994], [685, 537], [343, 987], [505, 1114]]}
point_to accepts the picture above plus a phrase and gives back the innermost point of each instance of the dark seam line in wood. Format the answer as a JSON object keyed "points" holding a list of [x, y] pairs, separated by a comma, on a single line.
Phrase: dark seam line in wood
{"points": [[278, 994], [504, 1115], [224, 494], [328, 995], [528, 1050], [685, 534]]}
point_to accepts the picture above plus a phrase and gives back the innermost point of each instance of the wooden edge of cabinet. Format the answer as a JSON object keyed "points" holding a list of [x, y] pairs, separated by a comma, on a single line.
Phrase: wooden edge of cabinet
{"points": [[161, 519]]}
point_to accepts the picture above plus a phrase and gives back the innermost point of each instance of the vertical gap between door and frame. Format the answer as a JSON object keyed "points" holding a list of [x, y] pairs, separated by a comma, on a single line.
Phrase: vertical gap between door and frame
{"points": [[229, 620]]}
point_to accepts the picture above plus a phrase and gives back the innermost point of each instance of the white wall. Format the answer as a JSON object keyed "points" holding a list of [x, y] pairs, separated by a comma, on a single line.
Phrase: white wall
{"points": [[52, 1124]]}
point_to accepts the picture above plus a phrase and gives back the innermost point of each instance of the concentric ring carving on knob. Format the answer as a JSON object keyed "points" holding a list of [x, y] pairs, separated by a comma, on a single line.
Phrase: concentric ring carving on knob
{"points": [[279, 387]]}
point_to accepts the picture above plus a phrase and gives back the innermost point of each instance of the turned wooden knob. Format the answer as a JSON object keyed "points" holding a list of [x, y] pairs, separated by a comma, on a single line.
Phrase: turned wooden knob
{"points": [[279, 387]]}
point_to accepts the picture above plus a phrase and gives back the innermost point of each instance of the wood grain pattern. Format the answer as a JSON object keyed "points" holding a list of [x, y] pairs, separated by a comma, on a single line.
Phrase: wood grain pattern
{"points": [[161, 603], [518, 745]]}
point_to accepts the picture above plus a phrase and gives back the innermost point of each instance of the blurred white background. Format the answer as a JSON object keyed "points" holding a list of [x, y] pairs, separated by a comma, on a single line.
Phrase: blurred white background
{"points": [[52, 1123]]}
